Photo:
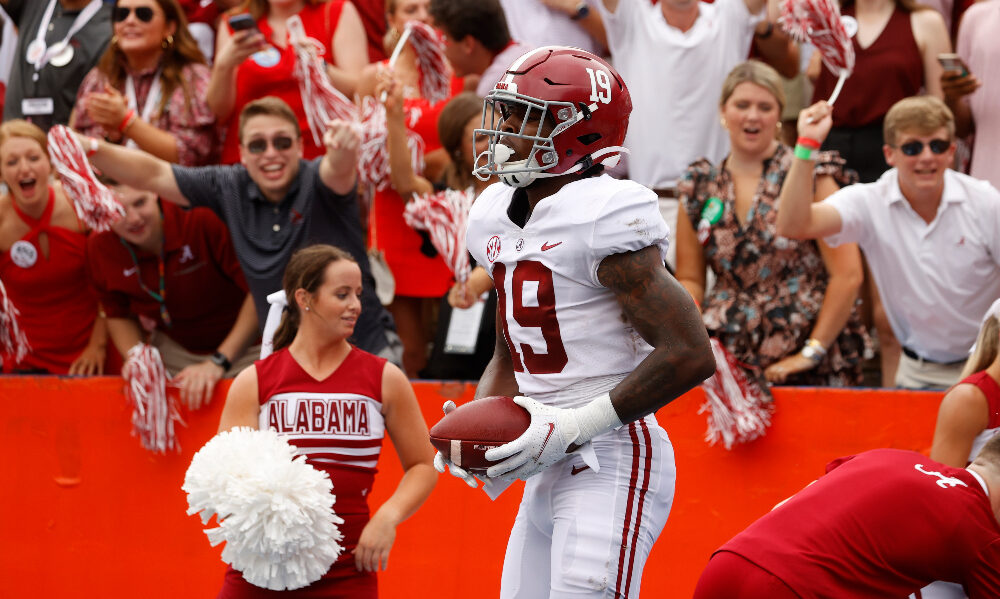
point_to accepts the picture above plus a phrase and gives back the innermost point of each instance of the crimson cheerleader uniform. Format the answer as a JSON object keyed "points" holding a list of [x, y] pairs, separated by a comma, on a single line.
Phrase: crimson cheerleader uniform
{"points": [[337, 424]]}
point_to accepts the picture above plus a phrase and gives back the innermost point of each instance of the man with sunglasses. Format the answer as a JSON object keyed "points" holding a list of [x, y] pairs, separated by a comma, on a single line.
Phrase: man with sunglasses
{"points": [[274, 203], [59, 42], [931, 235]]}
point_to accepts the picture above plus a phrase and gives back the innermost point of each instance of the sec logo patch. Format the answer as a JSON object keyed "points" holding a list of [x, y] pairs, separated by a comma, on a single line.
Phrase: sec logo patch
{"points": [[493, 248]]}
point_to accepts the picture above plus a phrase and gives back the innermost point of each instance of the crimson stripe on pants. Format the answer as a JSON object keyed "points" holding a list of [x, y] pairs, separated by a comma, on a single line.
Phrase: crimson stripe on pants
{"points": [[642, 498], [626, 525]]}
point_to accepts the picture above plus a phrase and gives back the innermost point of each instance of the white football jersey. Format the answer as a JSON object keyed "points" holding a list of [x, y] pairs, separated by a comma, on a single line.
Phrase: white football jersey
{"points": [[561, 325]]}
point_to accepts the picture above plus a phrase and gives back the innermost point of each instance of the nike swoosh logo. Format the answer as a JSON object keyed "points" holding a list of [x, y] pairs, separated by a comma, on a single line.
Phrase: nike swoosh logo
{"points": [[547, 246], [128, 272], [578, 469], [545, 441]]}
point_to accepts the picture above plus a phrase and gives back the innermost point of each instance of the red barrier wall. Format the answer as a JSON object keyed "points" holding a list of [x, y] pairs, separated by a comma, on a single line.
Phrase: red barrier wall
{"points": [[86, 512]]}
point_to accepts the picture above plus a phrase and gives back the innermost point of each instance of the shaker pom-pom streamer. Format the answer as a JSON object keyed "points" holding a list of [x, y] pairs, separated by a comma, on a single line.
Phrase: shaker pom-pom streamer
{"points": [[818, 22], [445, 216], [95, 204], [153, 412], [13, 341], [738, 409], [435, 73], [432, 66], [321, 101], [373, 157]]}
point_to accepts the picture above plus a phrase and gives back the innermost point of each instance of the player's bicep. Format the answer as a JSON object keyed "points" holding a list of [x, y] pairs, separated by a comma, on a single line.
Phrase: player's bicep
{"points": [[652, 301], [242, 402]]}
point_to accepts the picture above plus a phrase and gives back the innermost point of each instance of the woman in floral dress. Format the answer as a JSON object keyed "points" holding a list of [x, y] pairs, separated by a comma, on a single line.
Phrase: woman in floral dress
{"points": [[784, 308]]}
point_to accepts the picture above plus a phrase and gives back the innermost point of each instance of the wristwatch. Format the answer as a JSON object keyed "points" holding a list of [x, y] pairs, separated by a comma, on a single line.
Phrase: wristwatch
{"points": [[813, 351], [582, 10], [220, 359]]}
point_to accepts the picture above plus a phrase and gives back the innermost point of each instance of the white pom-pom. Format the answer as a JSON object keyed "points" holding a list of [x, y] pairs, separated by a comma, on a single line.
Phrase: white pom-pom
{"points": [[274, 509]]}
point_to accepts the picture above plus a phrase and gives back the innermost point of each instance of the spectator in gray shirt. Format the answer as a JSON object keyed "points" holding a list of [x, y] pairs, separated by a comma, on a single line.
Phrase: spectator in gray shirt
{"points": [[274, 203]]}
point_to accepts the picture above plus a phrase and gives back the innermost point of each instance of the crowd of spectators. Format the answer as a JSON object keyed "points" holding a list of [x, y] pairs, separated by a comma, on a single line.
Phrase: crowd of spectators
{"points": [[201, 128]]}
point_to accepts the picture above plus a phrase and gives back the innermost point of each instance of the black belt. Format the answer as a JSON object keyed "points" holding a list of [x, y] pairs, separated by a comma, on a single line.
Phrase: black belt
{"points": [[666, 192], [914, 356]]}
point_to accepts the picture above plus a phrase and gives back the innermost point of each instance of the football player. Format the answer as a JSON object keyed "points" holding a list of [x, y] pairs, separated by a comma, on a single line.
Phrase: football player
{"points": [[594, 335]]}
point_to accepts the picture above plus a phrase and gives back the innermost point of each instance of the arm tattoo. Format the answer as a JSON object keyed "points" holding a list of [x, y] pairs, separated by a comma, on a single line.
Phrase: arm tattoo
{"points": [[664, 314]]}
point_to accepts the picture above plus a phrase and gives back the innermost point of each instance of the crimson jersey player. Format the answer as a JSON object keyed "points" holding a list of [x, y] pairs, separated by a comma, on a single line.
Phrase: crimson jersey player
{"points": [[594, 335], [879, 524]]}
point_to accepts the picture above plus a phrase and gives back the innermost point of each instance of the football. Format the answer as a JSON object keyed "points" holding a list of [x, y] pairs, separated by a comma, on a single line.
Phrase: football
{"points": [[464, 435]]}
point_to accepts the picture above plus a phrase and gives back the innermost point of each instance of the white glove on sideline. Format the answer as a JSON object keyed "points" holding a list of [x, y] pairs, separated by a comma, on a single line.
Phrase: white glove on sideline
{"points": [[441, 463], [552, 431]]}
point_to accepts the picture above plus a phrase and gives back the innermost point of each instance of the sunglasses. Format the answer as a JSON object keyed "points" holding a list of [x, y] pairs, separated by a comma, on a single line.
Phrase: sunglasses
{"points": [[280, 143], [143, 13], [914, 148]]}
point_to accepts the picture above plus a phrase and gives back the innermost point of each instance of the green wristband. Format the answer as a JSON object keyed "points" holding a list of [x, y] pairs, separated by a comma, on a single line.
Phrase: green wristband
{"points": [[803, 152]]}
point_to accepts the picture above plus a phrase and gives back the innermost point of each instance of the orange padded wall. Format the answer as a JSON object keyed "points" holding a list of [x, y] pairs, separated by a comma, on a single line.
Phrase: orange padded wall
{"points": [[86, 512]]}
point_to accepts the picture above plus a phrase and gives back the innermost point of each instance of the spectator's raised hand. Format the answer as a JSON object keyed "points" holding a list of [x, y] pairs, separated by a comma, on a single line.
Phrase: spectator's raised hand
{"points": [[197, 382], [955, 85], [342, 139], [389, 91], [815, 121], [239, 47]]}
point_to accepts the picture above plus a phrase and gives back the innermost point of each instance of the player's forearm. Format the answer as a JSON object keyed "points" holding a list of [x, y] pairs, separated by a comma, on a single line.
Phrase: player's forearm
{"points": [[665, 374]]}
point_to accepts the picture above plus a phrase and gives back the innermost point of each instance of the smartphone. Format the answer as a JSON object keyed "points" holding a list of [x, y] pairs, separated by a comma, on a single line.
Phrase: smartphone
{"points": [[242, 22], [953, 62]]}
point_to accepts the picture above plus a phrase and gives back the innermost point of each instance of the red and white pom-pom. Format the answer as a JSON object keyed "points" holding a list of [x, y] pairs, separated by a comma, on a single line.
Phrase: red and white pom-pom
{"points": [[321, 101], [373, 156], [153, 412], [95, 204], [739, 410], [445, 217], [434, 70], [818, 22], [13, 341]]}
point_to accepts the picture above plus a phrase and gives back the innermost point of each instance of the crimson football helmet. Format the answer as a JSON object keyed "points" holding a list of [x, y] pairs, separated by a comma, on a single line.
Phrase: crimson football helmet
{"points": [[573, 108]]}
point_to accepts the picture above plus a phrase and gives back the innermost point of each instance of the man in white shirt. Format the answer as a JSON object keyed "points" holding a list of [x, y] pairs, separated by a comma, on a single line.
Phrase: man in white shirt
{"points": [[674, 56], [931, 235]]}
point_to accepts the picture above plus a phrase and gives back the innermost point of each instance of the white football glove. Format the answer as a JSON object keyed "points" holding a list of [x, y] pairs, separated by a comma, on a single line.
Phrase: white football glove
{"points": [[441, 463], [552, 431]]}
